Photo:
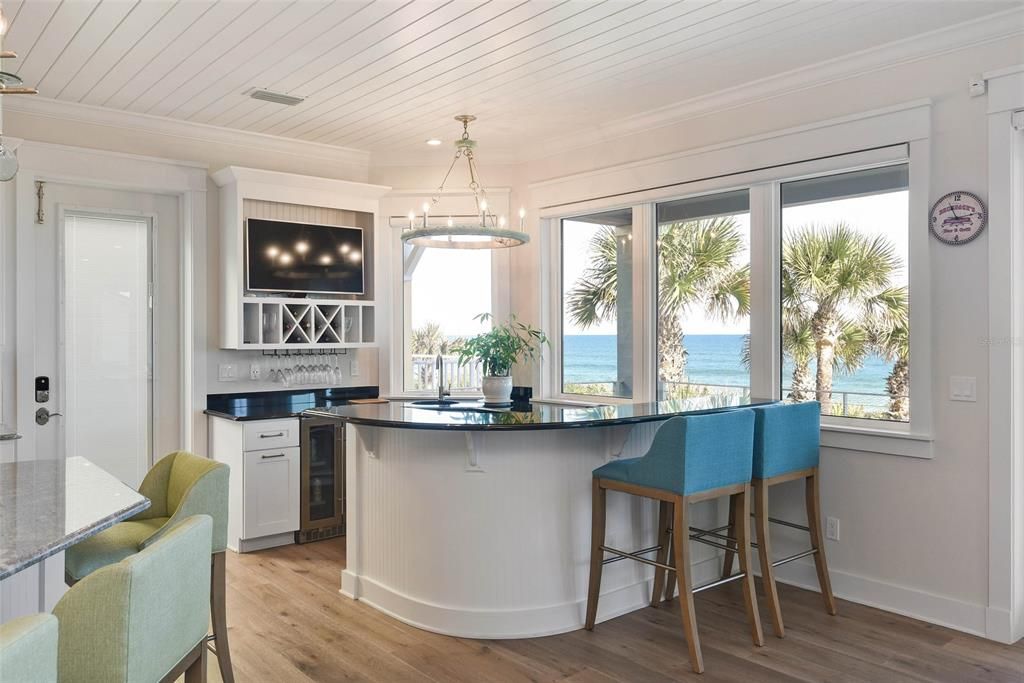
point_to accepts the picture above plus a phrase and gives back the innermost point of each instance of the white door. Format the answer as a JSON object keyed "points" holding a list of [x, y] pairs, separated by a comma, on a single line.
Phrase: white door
{"points": [[103, 292]]}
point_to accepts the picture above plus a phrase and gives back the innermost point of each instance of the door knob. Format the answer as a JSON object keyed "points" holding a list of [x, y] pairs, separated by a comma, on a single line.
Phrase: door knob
{"points": [[43, 416]]}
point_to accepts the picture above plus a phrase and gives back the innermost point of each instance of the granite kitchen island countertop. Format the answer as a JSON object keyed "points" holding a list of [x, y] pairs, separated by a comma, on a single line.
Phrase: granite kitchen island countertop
{"points": [[475, 416], [47, 506]]}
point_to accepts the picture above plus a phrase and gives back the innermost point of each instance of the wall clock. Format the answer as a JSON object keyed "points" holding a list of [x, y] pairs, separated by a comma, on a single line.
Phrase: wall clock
{"points": [[958, 217]]}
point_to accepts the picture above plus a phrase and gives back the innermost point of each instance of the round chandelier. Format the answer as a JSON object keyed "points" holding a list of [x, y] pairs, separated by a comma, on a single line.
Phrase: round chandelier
{"points": [[486, 230]]}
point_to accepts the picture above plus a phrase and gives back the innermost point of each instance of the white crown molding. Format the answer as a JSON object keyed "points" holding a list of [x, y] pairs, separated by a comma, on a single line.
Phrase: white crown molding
{"points": [[257, 176], [161, 125], [964, 35]]}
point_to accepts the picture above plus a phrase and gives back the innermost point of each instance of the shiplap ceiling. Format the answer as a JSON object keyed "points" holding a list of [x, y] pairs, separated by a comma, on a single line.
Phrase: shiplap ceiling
{"points": [[385, 75]]}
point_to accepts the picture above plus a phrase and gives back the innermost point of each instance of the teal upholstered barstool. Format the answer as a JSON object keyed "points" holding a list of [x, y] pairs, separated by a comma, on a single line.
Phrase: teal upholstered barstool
{"points": [[691, 459], [142, 619], [28, 650], [179, 485], [786, 448]]}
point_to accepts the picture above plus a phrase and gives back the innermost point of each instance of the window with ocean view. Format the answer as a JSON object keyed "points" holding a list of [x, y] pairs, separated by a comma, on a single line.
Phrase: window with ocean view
{"points": [[443, 292], [703, 295], [845, 297], [597, 304]]}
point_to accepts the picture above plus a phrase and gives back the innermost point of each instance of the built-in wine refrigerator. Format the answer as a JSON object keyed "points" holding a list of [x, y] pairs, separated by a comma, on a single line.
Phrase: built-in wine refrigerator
{"points": [[322, 477]]}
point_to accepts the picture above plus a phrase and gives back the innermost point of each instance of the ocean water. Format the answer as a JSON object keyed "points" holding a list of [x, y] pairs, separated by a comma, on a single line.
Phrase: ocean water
{"points": [[712, 359]]}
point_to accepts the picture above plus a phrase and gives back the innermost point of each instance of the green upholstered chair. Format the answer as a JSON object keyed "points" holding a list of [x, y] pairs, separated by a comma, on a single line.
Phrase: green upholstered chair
{"points": [[28, 650], [142, 619], [179, 485]]}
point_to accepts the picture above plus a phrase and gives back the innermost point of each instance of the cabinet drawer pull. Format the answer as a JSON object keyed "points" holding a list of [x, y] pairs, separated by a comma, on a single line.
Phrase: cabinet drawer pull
{"points": [[268, 457], [271, 436]]}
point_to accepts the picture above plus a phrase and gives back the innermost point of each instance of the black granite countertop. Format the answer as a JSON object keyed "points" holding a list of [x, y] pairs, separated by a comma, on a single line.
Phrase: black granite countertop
{"points": [[474, 416], [272, 405]]}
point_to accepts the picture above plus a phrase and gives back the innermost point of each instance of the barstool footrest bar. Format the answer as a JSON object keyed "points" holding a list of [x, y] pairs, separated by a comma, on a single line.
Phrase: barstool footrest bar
{"points": [[706, 532], [713, 544], [635, 552], [720, 582], [635, 556], [793, 558], [714, 532], [791, 525]]}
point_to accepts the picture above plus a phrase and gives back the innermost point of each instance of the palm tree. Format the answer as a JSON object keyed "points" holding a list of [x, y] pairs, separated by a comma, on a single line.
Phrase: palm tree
{"points": [[696, 266], [429, 340], [891, 340], [837, 282]]}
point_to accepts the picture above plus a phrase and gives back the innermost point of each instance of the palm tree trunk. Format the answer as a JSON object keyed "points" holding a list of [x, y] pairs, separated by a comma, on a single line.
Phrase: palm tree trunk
{"points": [[671, 352], [898, 385], [802, 388], [826, 334]]}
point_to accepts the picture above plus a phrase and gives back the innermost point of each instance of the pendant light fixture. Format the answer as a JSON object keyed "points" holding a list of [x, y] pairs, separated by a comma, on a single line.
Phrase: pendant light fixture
{"points": [[486, 230]]}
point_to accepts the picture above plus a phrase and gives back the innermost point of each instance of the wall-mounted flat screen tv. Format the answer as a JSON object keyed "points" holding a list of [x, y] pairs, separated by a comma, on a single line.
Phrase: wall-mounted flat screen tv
{"points": [[303, 258]]}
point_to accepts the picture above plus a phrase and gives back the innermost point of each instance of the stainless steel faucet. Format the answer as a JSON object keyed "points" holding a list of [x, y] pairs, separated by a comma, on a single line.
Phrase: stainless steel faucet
{"points": [[441, 391]]}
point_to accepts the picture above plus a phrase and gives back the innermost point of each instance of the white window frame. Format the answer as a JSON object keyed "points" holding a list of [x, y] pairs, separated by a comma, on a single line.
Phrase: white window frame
{"points": [[395, 208], [893, 136]]}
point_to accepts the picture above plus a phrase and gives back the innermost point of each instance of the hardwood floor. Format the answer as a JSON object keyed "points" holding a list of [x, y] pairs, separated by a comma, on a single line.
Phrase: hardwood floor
{"points": [[287, 622]]}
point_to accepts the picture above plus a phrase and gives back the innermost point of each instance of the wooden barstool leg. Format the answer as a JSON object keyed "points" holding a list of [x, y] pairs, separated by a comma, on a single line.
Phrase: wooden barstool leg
{"points": [[731, 533], [764, 551], [196, 672], [742, 508], [681, 551], [598, 502], [817, 542], [218, 613], [664, 510]]}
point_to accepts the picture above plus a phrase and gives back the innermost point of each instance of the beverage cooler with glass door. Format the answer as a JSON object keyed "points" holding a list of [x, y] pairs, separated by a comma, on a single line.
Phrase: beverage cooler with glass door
{"points": [[322, 477]]}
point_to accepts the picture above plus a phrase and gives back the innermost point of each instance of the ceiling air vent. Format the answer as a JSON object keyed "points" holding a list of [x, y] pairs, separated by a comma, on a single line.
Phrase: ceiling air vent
{"points": [[276, 97]]}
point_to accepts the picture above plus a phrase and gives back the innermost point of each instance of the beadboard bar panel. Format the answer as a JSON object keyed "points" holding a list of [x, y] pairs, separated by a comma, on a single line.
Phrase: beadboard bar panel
{"points": [[487, 535]]}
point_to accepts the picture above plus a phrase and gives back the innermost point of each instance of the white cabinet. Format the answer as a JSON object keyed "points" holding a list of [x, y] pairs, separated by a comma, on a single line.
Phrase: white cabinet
{"points": [[251, 321], [263, 502], [270, 492]]}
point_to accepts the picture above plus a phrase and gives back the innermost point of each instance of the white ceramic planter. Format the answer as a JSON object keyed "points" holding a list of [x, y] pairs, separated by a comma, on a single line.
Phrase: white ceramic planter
{"points": [[497, 389]]}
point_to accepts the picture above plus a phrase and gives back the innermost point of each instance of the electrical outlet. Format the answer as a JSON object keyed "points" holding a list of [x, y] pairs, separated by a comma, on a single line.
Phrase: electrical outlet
{"points": [[832, 528], [227, 372], [254, 371], [353, 368]]}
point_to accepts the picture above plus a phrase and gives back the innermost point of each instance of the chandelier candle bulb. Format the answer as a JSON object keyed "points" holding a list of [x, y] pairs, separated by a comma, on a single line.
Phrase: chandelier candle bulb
{"points": [[412, 219], [522, 217]]}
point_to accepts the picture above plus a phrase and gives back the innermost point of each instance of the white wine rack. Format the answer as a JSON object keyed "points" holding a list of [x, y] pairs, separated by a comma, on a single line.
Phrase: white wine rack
{"points": [[283, 323]]}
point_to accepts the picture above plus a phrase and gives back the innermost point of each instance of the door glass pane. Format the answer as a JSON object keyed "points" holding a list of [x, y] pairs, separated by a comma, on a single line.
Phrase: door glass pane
{"points": [[444, 291], [704, 295], [322, 474], [108, 343], [597, 304], [845, 297]]}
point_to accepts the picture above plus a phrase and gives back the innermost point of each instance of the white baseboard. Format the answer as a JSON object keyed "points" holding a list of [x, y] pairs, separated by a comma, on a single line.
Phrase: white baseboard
{"points": [[262, 543], [532, 622], [910, 602]]}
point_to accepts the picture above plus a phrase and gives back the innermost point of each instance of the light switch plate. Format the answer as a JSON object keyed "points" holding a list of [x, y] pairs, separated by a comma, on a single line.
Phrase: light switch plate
{"points": [[353, 368], [963, 388], [227, 372]]}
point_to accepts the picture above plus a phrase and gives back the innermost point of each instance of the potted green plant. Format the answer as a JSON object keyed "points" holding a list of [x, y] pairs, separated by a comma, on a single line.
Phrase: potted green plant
{"points": [[498, 350]]}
